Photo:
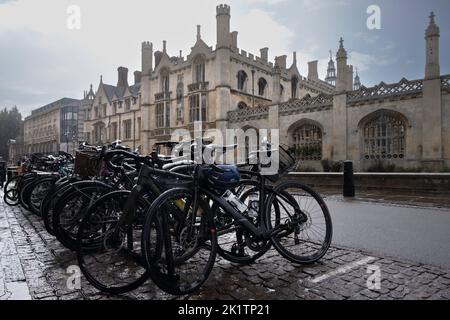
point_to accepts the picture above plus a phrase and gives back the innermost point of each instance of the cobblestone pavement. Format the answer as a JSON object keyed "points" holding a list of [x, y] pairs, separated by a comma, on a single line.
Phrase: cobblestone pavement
{"points": [[33, 266]]}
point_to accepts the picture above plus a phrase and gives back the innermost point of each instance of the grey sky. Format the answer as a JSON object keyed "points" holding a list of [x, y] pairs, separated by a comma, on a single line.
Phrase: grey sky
{"points": [[42, 61]]}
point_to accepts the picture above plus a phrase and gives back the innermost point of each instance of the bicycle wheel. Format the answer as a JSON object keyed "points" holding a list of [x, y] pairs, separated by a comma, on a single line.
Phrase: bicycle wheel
{"points": [[303, 229], [48, 203], [179, 245], [38, 192], [11, 197], [109, 255], [25, 192], [71, 208]]}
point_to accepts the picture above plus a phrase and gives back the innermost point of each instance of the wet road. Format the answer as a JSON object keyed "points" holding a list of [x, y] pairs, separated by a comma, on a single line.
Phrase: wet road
{"points": [[418, 234]]}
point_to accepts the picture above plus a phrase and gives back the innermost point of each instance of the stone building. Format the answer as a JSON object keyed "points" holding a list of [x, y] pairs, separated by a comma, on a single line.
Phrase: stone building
{"points": [[53, 127], [405, 123], [173, 92]]}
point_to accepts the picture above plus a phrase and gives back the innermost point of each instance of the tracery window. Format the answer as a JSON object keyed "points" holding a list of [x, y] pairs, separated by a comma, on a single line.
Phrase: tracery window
{"points": [[197, 107], [384, 137], [180, 102], [294, 84], [308, 142], [163, 115], [199, 70]]}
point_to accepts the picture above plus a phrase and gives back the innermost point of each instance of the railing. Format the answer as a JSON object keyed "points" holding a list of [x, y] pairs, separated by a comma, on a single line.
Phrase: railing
{"points": [[307, 104], [383, 90], [257, 113]]}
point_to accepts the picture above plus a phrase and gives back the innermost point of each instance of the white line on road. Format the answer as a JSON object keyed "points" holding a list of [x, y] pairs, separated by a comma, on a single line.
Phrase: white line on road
{"points": [[343, 269]]}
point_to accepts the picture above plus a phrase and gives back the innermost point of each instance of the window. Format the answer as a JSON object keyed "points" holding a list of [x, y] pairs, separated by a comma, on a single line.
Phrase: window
{"points": [[96, 115], [163, 115], [384, 137], [199, 70], [165, 81], [242, 80], [294, 84], [262, 85], [127, 129], [113, 133], [114, 108], [308, 142], [180, 102], [104, 110], [197, 107]]}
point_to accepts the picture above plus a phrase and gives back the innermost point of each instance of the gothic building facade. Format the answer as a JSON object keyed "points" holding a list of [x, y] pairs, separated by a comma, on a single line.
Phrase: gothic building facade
{"points": [[406, 123]]}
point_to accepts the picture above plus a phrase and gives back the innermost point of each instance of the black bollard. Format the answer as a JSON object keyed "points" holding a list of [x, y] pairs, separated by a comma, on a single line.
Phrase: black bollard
{"points": [[349, 182]]}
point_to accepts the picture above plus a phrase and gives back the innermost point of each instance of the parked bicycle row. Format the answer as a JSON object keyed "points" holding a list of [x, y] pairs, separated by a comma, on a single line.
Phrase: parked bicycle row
{"points": [[131, 217]]}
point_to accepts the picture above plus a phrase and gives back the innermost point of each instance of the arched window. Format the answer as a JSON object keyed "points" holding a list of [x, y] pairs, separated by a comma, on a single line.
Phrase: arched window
{"points": [[262, 85], [165, 80], [242, 80], [180, 102], [199, 70], [308, 142], [384, 137], [294, 83]]}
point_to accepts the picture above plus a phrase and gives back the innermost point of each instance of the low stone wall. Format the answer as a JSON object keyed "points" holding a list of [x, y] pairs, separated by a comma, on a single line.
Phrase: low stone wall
{"points": [[402, 182]]}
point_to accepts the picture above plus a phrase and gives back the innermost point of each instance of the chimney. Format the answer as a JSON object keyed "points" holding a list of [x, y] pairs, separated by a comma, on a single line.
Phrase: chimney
{"points": [[281, 62], [312, 70], [122, 77], [264, 54], [137, 77]]}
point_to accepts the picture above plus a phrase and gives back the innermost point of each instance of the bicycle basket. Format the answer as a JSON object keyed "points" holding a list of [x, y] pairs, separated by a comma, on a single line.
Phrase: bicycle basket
{"points": [[87, 164]]}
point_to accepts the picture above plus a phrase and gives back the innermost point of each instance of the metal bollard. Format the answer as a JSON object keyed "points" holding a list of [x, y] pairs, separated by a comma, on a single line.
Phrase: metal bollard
{"points": [[349, 182]]}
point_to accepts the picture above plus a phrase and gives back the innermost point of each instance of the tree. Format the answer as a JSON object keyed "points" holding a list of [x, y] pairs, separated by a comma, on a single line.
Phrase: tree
{"points": [[10, 128]]}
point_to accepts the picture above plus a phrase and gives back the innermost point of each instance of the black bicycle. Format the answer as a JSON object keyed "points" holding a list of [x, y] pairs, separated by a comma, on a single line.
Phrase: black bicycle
{"points": [[291, 217]]}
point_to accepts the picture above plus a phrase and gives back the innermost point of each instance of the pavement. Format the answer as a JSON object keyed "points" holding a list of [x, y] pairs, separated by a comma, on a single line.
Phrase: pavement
{"points": [[33, 265]]}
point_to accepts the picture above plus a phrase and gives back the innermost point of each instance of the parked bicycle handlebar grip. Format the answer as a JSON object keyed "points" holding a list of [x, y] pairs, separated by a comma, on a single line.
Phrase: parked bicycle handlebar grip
{"points": [[109, 155]]}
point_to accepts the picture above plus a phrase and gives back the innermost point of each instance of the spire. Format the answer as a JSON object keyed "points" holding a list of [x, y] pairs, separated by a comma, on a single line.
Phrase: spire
{"points": [[357, 82], [199, 33], [165, 46], [331, 71], [433, 29], [101, 79], [295, 58], [341, 54]]}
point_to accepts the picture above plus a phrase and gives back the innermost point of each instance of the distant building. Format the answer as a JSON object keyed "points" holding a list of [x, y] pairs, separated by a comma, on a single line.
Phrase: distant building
{"points": [[53, 127]]}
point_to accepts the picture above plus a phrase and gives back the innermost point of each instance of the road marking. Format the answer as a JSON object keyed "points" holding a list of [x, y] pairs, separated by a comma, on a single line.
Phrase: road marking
{"points": [[343, 269]]}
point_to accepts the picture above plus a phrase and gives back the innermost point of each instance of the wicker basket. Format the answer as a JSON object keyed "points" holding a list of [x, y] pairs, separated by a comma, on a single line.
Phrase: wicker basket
{"points": [[87, 164]]}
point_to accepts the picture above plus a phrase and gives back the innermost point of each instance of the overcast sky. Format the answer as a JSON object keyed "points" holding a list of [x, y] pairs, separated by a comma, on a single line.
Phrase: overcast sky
{"points": [[41, 60]]}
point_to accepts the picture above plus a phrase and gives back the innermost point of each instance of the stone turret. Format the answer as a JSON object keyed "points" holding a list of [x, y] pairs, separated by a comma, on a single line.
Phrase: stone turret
{"points": [[223, 25], [432, 34], [344, 77], [147, 58]]}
